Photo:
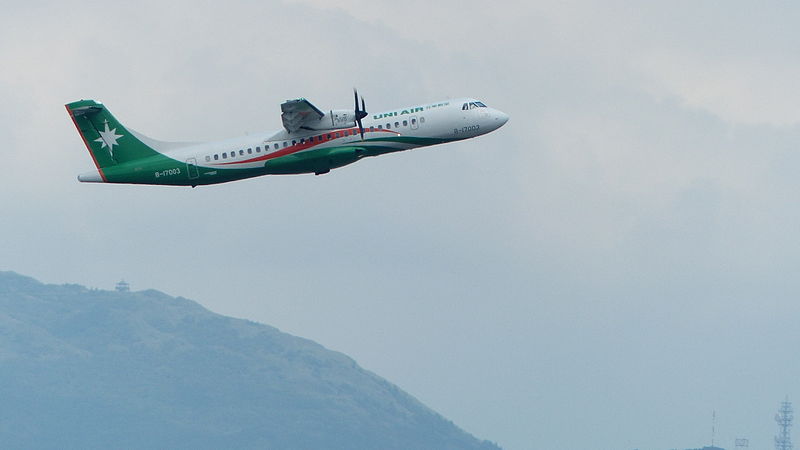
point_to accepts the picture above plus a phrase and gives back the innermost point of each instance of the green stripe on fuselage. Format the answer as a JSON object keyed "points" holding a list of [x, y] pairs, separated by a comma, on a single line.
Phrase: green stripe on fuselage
{"points": [[163, 170], [315, 161]]}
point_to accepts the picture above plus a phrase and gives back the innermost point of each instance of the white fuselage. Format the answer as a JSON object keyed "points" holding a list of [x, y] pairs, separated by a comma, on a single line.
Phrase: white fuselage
{"points": [[445, 120], [304, 150]]}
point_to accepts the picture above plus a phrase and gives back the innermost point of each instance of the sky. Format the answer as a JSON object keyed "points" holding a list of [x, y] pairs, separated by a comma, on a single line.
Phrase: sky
{"points": [[605, 271]]}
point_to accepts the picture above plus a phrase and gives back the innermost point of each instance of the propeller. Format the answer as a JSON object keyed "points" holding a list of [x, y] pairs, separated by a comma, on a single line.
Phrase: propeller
{"points": [[360, 113]]}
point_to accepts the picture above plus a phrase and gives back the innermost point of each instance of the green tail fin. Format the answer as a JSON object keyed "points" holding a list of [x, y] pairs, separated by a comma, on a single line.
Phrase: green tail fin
{"points": [[107, 140]]}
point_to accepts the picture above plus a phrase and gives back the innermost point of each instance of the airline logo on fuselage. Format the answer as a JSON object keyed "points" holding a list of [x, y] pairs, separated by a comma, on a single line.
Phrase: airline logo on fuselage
{"points": [[399, 113]]}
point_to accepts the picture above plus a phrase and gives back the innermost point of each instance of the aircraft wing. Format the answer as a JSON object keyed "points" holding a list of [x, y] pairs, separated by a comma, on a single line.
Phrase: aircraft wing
{"points": [[297, 113]]}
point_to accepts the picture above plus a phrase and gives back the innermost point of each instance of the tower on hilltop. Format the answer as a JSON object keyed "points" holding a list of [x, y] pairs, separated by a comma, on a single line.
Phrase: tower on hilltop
{"points": [[123, 286]]}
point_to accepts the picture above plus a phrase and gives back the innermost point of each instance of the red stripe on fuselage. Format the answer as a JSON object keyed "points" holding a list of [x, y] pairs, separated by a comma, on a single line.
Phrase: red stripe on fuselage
{"points": [[297, 148], [72, 116]]}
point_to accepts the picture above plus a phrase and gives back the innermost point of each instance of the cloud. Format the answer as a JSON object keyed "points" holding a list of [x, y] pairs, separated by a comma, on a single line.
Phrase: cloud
{"points": [[630, 232]]}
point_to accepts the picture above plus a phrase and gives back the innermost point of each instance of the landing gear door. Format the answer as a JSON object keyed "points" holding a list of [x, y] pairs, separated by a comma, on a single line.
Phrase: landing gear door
{"points": [[414, 123], [191, 168]]}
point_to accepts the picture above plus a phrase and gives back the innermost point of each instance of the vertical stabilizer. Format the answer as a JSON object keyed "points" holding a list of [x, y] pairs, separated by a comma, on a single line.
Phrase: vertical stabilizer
{"points": [[107, 140]]}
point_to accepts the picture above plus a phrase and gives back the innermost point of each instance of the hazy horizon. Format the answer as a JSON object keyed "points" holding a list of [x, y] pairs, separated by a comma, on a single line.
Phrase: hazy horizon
{"points": [[614, 264]]}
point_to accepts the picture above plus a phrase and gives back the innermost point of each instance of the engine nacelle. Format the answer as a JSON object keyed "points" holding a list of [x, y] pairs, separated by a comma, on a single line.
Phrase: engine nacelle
{"points": [[334, 119]]}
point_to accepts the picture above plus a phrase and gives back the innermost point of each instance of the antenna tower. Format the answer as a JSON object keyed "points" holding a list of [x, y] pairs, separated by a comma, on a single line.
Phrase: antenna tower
{"points": [[784, 418], [713, 426]]}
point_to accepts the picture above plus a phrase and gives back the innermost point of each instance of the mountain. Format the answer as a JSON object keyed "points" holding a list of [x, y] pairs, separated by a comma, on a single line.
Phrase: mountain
{"points": [[85, 368]]}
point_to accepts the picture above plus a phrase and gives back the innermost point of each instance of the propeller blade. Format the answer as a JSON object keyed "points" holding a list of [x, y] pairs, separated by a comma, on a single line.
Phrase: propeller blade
{"points": [[359, 114]]}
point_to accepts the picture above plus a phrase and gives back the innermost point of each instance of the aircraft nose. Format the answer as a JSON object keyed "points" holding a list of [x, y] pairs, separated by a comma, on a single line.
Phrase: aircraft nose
{"points": [[500, 118]]}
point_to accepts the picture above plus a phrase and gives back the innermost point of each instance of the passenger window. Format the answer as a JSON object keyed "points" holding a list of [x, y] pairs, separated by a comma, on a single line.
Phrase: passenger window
{"points": [[397, 124], [302, 140], [388, 126], [224, 156], [371, 129], [276, 146], [329, 136], [216, 157], [208, 158], [294, 142], [285, 144], [258, 149], [413, 121], [241, 152], [250, 151], [338, 135], [380, 127], [405, 123]]}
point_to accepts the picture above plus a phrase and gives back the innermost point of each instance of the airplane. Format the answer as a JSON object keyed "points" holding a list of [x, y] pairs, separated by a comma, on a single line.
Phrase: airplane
{"points": [[311, 141]]}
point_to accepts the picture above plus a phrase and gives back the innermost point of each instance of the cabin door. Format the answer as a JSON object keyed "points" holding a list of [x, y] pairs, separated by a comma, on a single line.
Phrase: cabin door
{"points": [[191, 168]]}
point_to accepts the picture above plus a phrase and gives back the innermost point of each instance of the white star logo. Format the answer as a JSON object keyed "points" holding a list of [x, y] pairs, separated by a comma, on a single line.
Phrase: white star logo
{"points": [[109, 138]]}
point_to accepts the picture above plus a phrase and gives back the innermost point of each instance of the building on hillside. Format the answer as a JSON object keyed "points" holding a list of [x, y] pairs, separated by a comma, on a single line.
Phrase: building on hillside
{"points": [[123, 286]]}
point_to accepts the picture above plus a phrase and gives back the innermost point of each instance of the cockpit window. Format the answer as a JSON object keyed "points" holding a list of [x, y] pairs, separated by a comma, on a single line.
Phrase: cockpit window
{"points": [[472, 105]]}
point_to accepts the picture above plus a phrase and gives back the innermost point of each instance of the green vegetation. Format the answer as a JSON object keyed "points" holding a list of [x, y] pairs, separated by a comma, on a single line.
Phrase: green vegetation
{"points": [[86, 368]]}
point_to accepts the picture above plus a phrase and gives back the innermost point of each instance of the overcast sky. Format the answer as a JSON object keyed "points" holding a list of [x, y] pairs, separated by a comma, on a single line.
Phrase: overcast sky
{"points": [[603, 272]]}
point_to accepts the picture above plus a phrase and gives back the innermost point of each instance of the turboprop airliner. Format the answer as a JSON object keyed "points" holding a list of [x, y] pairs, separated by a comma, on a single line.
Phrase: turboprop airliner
{"points": [[311, 141]]}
